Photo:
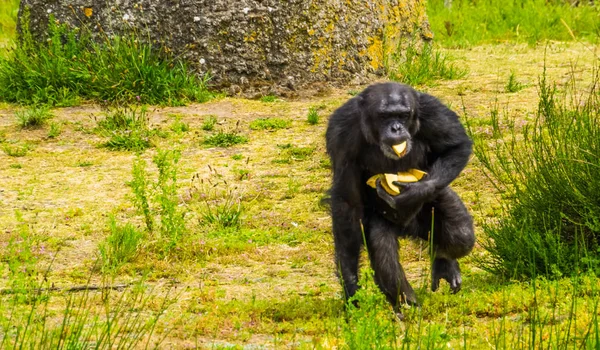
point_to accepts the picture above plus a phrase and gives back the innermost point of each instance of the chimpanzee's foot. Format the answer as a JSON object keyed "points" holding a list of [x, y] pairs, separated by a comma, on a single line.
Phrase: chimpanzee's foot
{"points": [[448, 270]]}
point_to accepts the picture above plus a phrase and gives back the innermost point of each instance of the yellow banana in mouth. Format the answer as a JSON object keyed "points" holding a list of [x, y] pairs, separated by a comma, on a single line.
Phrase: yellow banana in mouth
{"points": [[400, 149]]}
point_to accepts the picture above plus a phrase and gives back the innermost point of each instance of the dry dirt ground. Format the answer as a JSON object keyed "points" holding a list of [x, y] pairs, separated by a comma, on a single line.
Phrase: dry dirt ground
{"points": [[64, 188]]}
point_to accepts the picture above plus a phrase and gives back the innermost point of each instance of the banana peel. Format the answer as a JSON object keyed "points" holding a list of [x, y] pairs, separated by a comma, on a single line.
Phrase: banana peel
{"points": [[387, 180]]}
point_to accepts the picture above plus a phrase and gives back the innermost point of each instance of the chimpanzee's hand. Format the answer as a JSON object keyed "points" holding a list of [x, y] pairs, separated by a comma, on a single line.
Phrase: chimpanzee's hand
{"points": [[414, 193]]}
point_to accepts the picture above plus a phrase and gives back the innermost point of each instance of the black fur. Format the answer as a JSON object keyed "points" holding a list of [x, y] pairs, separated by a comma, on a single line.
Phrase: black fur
{"points": [[359, 139]]}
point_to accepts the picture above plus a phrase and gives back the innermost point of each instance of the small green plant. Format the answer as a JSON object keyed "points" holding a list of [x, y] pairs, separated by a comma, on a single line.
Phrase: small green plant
{"points": [[225, 139], [85, 164], [121, 245], [415, 66], [237, 157], [513, 85], [20, 258], [268, 98], [269, 124], [242, 174], [13, 150], [33, 117], [313, 116], [160, 197], [209, 122], [371, 324], [179, 126], [15, 166], [224, 212], [300, 153], [127, 130], [55, 130], [140, 186]]}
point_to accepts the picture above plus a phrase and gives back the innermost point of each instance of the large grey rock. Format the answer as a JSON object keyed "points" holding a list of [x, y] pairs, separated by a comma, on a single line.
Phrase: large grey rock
{"points": [[256, 45]]}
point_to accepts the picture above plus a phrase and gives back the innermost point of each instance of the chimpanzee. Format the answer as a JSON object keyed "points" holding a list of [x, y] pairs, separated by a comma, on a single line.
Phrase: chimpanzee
{"points": [[392, 129]]}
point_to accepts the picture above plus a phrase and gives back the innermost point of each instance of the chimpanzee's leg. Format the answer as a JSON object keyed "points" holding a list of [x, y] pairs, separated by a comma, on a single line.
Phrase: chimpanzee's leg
{"points": [[451, 236], [382, 245]]}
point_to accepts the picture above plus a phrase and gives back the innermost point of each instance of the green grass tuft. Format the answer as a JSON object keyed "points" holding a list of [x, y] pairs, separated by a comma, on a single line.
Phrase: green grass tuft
{"points": [[13, 150], [313, 116], [33, 117], [513, 85], [121, 245], [225, 139], [209, 122], [70, 66], [55, 130], [423, 66], [127, 130], [269, 98], [269, 124]]}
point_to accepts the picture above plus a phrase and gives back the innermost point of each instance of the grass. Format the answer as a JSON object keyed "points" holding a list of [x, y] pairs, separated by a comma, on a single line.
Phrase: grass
{"points": [[33, 117], [127, 129], [209, 122], [15, 150], [423, 66], [269, 280], [225, 139], [468, 23], [269, 98], [269, 124], [313, 116], [71, 67], [546, 170], [54, 131], [8, 18], [121, 246], [513, 85]]}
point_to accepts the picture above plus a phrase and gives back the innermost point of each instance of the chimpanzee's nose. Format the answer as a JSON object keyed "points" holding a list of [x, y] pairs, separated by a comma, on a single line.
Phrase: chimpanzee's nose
{"points": [[396, 127]]}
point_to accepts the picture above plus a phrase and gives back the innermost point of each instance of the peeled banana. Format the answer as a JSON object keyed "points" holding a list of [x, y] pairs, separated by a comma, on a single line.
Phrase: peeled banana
{"points": [[387, 180], [400, 149]]}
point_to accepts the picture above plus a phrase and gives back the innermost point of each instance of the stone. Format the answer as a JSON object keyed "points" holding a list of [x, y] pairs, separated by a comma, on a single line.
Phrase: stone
{"points": [[248, 44]]}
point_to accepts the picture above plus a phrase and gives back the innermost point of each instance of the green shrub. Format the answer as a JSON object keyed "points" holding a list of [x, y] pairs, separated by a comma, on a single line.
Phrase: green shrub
{"points": [[423, 66], [70, 66], [269, 124], [225, 139], [33, 117], [470, 22], [548, 175]]}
